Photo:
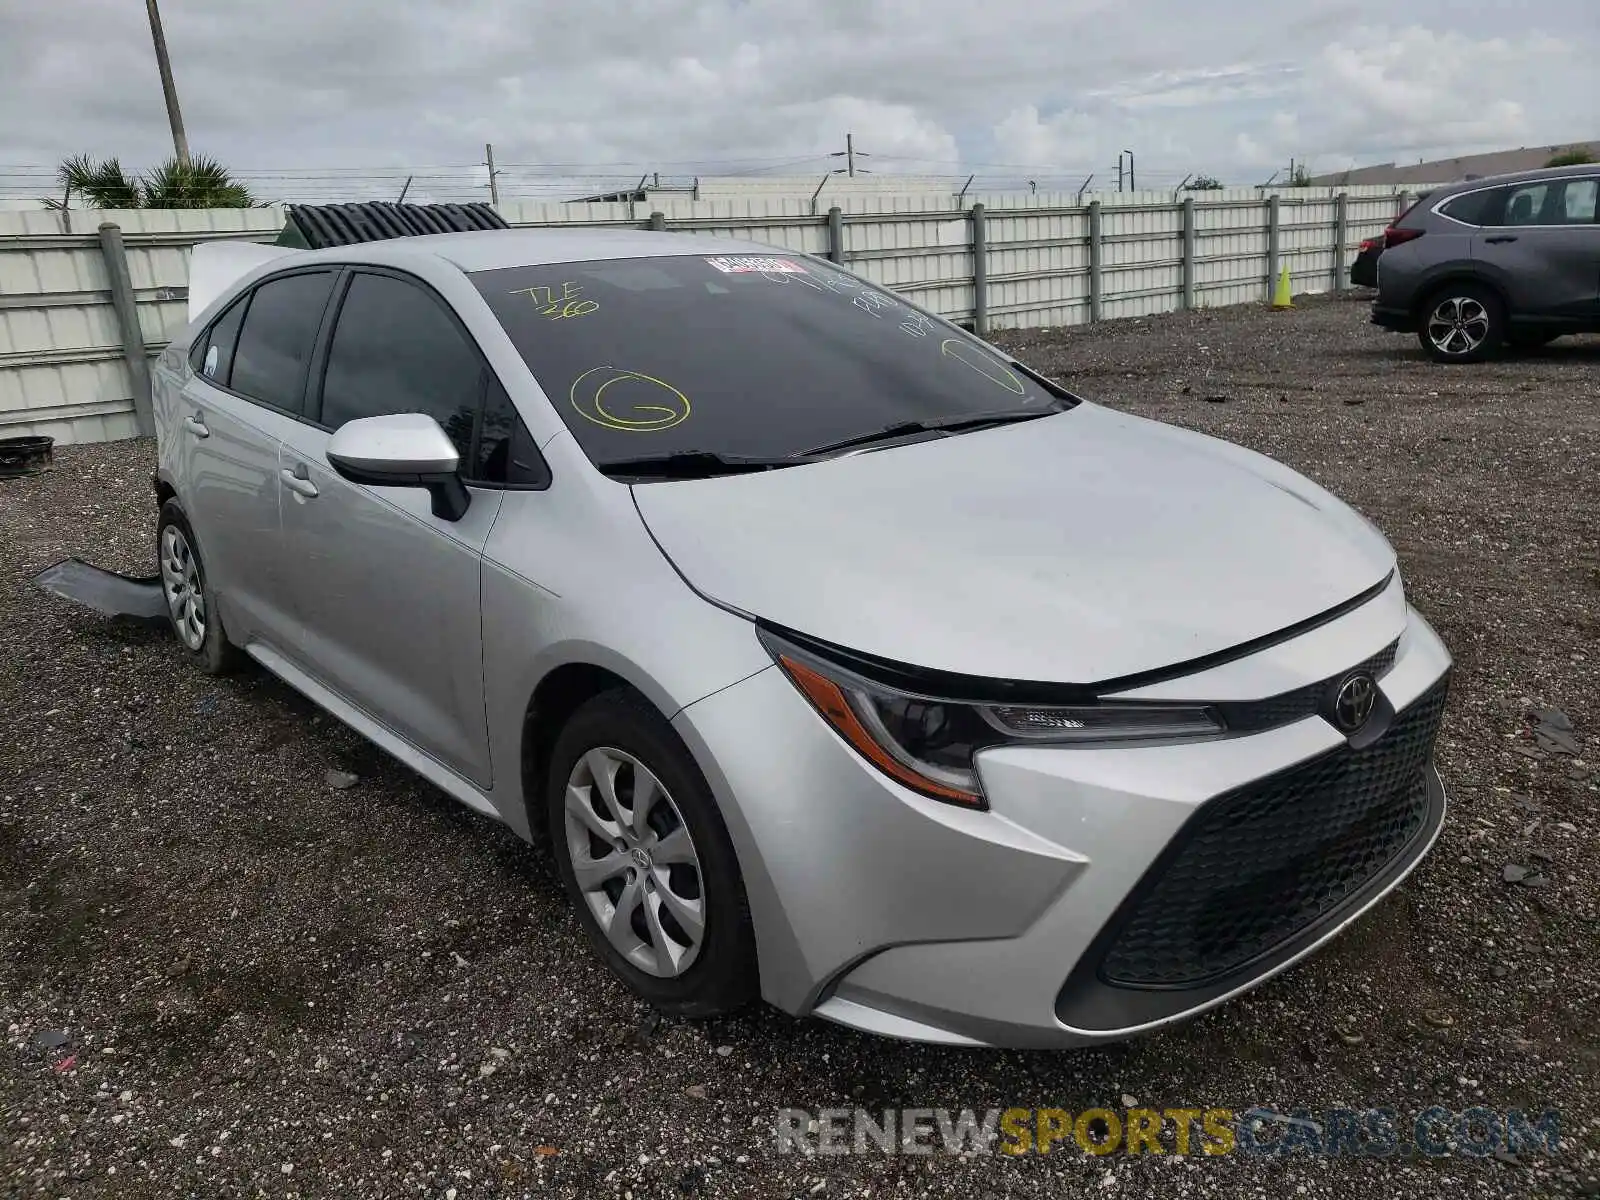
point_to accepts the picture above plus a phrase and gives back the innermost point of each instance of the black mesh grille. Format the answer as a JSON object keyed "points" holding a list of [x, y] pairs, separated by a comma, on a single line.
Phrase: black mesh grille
{"points": [[1256, 866], [1253, 715]]}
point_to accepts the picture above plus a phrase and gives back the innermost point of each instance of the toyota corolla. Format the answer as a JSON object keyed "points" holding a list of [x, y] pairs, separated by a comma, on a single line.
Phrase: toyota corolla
{"points": [[837, 657]]}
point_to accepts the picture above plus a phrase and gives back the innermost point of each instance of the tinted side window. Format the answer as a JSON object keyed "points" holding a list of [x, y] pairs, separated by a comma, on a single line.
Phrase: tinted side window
{"points": [[1578, 202], [269, 362], [1525, 204], [506, 453], [1475, 208], [395, 350], [212, 354]]}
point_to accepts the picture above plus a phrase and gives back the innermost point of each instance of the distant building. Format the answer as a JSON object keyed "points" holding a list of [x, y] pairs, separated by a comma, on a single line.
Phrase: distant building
{"points": [[1446, 170]]}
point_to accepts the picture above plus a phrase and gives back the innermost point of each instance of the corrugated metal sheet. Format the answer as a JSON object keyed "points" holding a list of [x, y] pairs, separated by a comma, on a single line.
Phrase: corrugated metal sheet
{"points": [[61, 368]]}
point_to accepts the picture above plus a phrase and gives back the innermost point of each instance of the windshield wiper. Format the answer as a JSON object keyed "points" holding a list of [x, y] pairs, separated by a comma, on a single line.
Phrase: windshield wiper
{"points": [[948, 425], [695, 464]]}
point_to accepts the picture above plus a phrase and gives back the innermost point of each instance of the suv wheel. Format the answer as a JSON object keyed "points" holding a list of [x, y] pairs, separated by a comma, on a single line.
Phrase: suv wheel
{"points": [[642, 851], [1462, 323], [193, 614]]}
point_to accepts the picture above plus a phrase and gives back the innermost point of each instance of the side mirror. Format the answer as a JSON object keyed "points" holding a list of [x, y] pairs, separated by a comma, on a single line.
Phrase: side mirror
{"points": [[402, 450]]}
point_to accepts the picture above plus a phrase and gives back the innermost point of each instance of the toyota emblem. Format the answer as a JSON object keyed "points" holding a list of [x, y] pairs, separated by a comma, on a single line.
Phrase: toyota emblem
{"points": [[1354, 703]]}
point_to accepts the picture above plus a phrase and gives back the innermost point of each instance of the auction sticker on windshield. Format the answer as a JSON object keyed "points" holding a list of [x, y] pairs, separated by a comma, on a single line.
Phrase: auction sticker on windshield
{"points": [[739, 264]]}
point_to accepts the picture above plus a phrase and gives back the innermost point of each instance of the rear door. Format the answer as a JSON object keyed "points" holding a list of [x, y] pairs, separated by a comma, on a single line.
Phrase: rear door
{"points": [[1543, 249], [246, 392], [387, 594]]}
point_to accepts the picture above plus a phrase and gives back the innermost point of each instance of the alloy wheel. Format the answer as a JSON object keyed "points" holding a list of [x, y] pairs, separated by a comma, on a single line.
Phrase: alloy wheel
{"points": [[180, 583], [1458, 325], [635, 862]]}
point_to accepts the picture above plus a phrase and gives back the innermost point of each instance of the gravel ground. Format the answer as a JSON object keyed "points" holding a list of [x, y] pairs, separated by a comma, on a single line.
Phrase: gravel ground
{"points": [[272, 986]]}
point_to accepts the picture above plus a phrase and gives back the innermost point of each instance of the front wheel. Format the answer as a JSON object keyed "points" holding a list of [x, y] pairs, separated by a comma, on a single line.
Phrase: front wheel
{"points": [[1462, 323], [642, 850]]}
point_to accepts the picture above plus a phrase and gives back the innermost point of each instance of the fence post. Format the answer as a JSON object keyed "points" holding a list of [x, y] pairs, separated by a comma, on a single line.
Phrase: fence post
{"points": [[980, 274], [1341, 234], [1188, 252], [1095, 265], [1400, 204], [658, 221], [836, 235], [127, 309], [1272, 244]]}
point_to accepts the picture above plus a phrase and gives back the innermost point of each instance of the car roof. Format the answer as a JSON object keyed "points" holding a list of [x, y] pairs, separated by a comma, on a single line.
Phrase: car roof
{"points": [[1533, 176], [487, 250]]}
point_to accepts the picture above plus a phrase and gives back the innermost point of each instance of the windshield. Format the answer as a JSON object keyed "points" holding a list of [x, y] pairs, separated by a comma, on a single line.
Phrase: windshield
{"points": [[746, 356]]}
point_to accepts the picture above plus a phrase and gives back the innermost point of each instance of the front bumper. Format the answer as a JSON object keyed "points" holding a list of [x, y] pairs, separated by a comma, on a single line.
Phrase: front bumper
{"points": [[888, 912]]}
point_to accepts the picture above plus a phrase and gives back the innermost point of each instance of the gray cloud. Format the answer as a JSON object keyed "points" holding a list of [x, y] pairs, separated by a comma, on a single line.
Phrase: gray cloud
{"points": [[1011, 88]]}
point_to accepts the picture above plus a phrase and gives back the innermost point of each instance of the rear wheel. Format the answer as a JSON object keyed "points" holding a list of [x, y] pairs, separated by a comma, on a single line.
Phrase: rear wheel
{"points": [[643, 852], [1462, 323], [190, 607]]}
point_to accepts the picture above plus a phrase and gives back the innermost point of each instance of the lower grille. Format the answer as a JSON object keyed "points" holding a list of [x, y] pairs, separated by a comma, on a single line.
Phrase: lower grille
{"points": [[1257, 865]]}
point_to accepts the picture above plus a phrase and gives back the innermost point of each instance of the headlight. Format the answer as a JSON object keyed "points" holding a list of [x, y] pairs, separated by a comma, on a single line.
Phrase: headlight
{"points": [[927, 743]]}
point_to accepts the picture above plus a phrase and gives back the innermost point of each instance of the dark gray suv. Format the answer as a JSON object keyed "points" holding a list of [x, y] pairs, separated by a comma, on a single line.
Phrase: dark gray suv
{"points": [[1511, 260]]}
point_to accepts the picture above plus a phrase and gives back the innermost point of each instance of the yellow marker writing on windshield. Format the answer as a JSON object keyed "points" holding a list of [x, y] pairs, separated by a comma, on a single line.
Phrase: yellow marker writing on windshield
{"points": [[989, 368], [667, 407], [556, 303]]}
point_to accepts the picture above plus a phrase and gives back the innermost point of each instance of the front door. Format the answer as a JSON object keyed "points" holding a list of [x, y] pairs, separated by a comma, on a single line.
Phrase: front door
{"points": [[386, 594]]}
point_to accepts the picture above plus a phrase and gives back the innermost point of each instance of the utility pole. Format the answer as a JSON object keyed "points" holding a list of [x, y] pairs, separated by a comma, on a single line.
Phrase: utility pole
{"points": [[1132, 186], [180, 142], [494, 176], [849, 155]]}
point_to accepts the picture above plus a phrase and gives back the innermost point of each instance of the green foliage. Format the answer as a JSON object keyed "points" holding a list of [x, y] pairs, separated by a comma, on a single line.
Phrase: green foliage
{"points": [[204, 183], [1299, 177], [1203, 183], [1576, 157]]}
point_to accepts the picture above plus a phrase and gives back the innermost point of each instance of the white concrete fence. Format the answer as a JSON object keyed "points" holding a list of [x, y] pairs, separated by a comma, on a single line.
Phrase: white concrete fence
{"points": [[82, 307]]}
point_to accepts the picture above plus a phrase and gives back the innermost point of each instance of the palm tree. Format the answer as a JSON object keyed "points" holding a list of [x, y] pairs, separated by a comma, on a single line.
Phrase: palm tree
{"points": [[202, 183]]}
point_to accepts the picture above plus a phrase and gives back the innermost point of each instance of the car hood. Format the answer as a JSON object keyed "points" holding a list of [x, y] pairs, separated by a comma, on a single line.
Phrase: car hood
{"points": [[1078, 548]]}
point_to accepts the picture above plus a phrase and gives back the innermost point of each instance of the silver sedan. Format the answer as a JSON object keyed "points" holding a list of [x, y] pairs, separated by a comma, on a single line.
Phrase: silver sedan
{"points": [[835, 656]]}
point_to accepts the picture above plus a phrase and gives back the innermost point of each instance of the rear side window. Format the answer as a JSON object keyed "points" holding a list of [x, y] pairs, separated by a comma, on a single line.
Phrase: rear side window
{"points": [[1525, 204], [1475, 208], [395, 350], [274, 346], [212, 353]]}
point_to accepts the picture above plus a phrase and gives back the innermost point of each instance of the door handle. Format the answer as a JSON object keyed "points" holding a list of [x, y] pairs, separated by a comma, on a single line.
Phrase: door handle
{"points": [[197, 426], [1504, 237], [299, 481]]}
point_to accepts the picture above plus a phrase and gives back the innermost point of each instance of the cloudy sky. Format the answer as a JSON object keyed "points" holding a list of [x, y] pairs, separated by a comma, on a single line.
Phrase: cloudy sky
{"points": [[311, 94]]}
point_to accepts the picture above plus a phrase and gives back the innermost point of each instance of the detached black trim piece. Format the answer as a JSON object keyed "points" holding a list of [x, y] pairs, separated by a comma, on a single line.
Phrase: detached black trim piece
{"points": [[318, 226], [977, 689]]}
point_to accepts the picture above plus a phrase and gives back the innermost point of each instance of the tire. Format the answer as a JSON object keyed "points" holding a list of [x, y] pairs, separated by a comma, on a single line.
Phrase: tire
{"points": [[594, 780], [1462, 323], [195, 620]]}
